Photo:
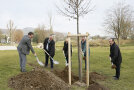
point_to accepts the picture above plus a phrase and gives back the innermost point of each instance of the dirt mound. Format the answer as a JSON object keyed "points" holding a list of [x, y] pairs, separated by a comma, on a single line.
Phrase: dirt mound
{"points": [[97, 86], [96, 76], [64, 75], [93, 76], [37, 80]]}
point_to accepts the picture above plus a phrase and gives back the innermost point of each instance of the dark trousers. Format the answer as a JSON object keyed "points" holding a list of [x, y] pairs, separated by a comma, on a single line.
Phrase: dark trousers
{"points": [[66, 58], [22, 58], [85, 64], [46, 62], [117, 71]]}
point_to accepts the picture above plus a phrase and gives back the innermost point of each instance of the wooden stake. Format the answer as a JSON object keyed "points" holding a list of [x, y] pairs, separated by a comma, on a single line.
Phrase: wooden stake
{"points": [[87, 64], [69, 58], [80, 62]]}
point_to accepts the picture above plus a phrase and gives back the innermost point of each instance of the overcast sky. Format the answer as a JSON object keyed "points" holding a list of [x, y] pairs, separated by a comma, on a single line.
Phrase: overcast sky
{"points": [[30, 13]]}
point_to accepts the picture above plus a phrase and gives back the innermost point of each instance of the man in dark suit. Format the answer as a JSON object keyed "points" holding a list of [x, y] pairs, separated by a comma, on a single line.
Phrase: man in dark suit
{"points": [[49, 46], [116, 57], [65, 50], [24, 48]]}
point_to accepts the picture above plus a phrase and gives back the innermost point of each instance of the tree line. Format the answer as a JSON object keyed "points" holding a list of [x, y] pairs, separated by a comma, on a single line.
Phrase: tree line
{"points": [[40, 33], [119, 21]]}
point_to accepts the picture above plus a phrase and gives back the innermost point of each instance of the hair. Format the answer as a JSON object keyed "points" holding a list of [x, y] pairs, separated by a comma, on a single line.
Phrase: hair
{"points": [[112, 39], [30, 33], [51, 34]]}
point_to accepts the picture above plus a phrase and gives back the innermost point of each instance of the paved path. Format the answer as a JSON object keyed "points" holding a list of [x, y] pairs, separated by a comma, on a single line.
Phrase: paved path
{"points": [[8, 48]]}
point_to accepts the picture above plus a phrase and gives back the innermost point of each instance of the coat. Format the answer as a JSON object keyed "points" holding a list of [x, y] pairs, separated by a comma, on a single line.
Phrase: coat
{"points": [[51, 46], [25, 45], [83, 47], [115, 54], [65, 49]]}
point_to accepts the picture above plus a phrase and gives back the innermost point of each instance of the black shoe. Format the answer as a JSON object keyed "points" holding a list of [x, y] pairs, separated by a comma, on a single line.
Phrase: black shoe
{"points": [[116, 78]]}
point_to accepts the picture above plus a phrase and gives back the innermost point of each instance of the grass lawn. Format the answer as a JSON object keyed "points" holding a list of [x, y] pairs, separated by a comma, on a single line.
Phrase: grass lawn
{"points": [[99, 62]]}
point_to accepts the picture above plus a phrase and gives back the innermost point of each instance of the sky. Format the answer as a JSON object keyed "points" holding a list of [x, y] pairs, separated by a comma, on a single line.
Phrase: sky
{"points": [[31, 13]]}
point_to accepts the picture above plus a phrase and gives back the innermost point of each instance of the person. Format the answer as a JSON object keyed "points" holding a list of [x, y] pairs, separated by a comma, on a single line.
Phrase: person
{"points": [[65, 50], [116, 57], [83, 48], [49, 46], [24, 48]]}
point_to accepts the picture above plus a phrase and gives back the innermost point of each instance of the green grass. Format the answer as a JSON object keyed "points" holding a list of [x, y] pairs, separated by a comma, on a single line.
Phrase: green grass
{"points": [[99, 62]]}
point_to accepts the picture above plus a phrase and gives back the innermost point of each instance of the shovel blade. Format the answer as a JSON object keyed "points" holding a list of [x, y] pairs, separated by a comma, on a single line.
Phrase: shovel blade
{"points": [[56, 62], [39, 62]]}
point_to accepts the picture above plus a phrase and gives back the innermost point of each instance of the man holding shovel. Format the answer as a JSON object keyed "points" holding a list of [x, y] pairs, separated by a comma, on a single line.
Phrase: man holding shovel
{"points": [[65, 51], [49, 47], [116, 58], [24, 48], [83, 47]]}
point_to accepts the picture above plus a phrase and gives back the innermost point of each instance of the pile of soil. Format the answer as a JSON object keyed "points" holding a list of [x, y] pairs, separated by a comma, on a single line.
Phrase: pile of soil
{"points": [[96, 86], [93, 78], [96, 76], [38, 79], [64, 75]]}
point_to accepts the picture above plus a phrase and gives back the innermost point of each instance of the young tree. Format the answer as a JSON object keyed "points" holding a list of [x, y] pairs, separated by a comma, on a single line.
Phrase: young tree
{"points": [[75, 9], [119, 21], [50, 23], [132, 32]]}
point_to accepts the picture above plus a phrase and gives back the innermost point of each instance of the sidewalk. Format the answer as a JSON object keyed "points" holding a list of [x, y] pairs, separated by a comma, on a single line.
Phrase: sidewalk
{"points": [[8, 48]]}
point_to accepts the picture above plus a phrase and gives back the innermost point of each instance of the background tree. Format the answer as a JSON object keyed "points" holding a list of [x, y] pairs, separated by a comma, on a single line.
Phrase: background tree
{"points": [[59, 36], [40, 34], [74, 9], [132, 32], [11, 30], [50, 23], [18, 34], [118, 21], [97, 37]]}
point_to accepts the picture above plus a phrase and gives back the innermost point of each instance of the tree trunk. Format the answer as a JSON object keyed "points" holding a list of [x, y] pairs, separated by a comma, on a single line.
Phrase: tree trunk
{"points": [[78, 39], [118, 40]]}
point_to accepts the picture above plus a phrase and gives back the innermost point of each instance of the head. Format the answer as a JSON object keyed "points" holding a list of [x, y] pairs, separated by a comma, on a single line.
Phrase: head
{"points": [[51, 37], [111, 41], [30, 34], [66, 40], [83, 38]]}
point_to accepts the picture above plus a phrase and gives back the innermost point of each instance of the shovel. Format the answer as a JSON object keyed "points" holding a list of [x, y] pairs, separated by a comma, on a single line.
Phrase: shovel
{"points": [[55, 62], [39, 62]]}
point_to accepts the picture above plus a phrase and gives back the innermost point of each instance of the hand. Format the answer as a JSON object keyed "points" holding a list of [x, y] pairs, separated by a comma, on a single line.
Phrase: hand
{"points": [[110, 58], [84, 58], [35, 54], [113, 66]]}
